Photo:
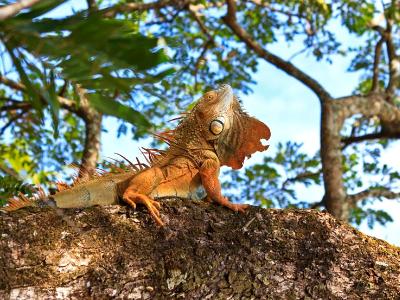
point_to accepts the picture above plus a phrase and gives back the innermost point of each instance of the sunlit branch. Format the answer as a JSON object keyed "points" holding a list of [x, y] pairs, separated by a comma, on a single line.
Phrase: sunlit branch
{"points": [[289, 68], [377, 58], [135, 6], [11, 10]]}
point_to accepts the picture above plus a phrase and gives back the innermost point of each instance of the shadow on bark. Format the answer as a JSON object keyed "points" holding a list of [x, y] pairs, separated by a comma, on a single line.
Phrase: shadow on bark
{"points": [[204, 252]]}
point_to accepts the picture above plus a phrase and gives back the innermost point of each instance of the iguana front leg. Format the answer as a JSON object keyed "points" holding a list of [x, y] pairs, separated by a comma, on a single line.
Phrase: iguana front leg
{"points": [[140, 187], [209, 171]]}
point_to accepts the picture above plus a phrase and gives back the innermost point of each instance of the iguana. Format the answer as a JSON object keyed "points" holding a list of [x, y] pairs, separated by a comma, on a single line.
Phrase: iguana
{"points": [[214, 133]]}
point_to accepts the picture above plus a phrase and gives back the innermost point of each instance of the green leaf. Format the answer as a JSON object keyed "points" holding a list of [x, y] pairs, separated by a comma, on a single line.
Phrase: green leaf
{"points": [[113, 108]]}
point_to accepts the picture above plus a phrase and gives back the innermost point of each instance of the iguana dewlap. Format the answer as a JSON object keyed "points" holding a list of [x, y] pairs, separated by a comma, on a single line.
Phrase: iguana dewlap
{"points": [[215, 132]]}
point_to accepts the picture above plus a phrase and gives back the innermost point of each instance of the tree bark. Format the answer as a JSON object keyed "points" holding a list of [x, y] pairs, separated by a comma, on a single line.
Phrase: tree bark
{"points": [[204, 252], [93, 120]]}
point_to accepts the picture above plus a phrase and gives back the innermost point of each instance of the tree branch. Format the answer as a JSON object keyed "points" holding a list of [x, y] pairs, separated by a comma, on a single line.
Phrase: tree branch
{"points": [[300, 176], [12, 120], [393, 61], [370, 105], [201, 24], [130, 7], [266, 4], [11, 10], [378, 192], [289, 68], [377, 59], [65, 103], [371, 136]]}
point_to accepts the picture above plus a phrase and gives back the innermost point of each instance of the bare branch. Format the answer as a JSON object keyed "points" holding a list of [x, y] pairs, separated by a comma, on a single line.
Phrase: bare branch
{"points": [[300, 176], [373, 193], [9, 171], [16, 106], [273, 9], [11, 121], [207, 44], [65, 103], [368, 137], [377, 59], [393, 61], [11, 10], [12, 84], [135, 6], [289, 68], [201, 24]]}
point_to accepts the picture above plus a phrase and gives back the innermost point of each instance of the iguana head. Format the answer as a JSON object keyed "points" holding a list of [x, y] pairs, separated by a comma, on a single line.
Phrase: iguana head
{"points": [[231, 131]]}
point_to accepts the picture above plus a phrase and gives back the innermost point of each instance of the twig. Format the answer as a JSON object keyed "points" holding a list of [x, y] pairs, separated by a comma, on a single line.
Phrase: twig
{"points": [[11, 10]]}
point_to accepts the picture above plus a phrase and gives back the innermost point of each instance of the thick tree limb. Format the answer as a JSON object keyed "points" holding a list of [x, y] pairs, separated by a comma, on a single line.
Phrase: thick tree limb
{"points": [[204, 252], [373, 193], [289, 68], [374, 104], [11, 10]]}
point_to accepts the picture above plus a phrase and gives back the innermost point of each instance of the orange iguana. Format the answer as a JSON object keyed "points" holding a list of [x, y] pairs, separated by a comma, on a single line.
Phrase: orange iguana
{"points": [[215, 132]]}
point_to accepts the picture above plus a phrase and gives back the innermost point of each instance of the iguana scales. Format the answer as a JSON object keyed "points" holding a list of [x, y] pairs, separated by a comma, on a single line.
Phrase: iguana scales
{"points": [[215, 132]]}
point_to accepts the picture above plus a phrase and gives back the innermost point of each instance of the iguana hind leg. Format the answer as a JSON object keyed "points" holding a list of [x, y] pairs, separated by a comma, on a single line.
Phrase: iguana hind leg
{"points": [[140, 187]]}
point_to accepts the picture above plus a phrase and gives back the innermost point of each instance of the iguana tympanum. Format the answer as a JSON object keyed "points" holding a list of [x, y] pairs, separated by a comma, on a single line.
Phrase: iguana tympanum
{"points": [[214, 133]]}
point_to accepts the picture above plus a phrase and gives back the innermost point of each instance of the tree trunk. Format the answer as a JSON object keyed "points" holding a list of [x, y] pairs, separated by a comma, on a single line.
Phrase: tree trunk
{"points": [[204, 252], [93, 120], [335, 198], [91, 151]]}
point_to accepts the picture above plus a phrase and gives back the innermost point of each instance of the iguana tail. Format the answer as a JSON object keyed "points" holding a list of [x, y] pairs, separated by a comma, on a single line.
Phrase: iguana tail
{"points": [[104, 190], [40, 198]]}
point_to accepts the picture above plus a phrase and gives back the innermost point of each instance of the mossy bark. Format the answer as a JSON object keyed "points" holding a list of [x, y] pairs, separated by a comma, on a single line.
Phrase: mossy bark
{"points": [[204, 252]]}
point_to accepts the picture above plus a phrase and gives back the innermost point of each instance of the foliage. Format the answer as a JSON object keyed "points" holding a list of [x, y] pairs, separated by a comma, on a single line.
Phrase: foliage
{"points": [[10, 186], [49, 57], [273, 182]]}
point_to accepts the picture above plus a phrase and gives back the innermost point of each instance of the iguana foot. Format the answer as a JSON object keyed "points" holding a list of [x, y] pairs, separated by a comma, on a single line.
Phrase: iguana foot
{"points": [[235, 207], [153, 206]]}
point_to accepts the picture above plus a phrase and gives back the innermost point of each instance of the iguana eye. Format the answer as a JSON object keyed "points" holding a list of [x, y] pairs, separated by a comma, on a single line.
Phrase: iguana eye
{"points": [[216, 126], [209, 96]]}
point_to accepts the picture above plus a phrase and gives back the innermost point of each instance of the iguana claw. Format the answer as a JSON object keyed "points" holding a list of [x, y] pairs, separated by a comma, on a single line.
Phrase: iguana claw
{"points": [[153, 206]]}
